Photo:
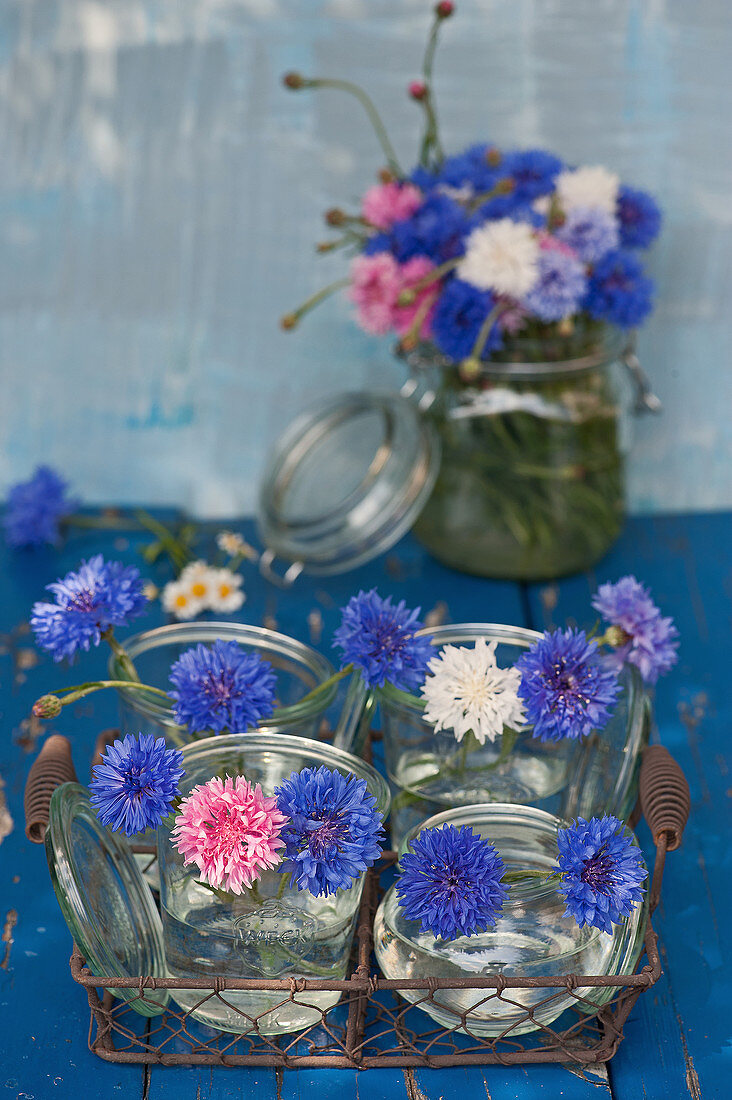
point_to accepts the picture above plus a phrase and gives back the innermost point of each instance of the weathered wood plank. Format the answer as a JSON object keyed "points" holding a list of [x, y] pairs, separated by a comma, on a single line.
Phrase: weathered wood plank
{"points": [[667, 1051]]}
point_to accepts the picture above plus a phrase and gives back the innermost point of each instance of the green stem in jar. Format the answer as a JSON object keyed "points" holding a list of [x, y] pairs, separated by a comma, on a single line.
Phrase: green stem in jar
{"points": [[119, 651]]}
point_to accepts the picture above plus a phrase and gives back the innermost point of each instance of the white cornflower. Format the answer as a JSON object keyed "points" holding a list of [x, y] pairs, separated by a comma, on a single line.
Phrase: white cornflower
{"points": [[501, 256], [593, 187], [226, 594], [468, 691], [178, 599], [199, 577]]}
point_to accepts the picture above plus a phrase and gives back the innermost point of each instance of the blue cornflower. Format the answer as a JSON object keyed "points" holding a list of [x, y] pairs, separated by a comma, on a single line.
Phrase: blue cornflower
{"points": [[334, 832], [423, 178], [450, 881], [510, 206], [436, 230], [35, 508], [647, 639], [639, 217], [102, 594], [134, 786], [221, 688], [559, 288], [459, 314], [601, 872], [533, 172], [590, 231], [378, 637], [619, 291], [567, 689], [474, 168]]}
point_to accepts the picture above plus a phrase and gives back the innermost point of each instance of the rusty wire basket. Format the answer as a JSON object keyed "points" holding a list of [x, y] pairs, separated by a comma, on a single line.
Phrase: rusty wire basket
{"points": [[371, 1025]]}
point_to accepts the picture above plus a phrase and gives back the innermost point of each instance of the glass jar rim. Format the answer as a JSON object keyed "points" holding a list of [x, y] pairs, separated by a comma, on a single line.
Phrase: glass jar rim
{"points": [[612, 347], [540, 820], [459, 634], [208, 632], [321, 751]]}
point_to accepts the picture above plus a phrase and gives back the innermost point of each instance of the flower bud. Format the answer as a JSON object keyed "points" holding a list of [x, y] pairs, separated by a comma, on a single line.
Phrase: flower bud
{"points": [[493, 156], [334, 216], [295, 81], [505, 187], [407, 297], [470, 368], [288, 322], [616, 636], [48, 706], [418, 90], [444, 9], [385, 176]]}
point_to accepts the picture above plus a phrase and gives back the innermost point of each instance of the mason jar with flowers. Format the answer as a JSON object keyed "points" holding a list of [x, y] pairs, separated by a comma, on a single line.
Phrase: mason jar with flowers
{"points": [[199, 679], [514, 283], [489, 713]]}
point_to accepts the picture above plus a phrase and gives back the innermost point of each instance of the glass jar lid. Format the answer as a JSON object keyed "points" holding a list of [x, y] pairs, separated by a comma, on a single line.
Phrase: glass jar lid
{"points": [[345, 482], [105, 901]]}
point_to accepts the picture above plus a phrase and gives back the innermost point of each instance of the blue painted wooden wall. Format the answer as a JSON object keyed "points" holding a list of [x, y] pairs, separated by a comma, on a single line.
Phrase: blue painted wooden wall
{"points": [[160, 194]]}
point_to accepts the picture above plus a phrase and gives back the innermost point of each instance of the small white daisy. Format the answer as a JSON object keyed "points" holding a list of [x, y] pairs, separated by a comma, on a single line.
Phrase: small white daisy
{"points": [[226, 594], [178, 600], [468, 691], [199, 577], [593, 187], [501, 256], [235, 546]]}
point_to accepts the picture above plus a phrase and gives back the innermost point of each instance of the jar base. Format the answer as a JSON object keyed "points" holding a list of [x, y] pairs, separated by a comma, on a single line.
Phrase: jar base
{"points": [[260, 1013]]}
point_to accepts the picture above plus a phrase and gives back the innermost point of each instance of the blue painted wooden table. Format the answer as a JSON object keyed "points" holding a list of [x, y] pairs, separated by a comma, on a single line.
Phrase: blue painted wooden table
{"points": [[678, 1038]]}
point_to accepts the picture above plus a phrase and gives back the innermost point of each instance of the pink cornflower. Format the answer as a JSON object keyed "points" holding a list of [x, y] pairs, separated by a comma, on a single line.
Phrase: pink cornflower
{"points": [[231, 831], [548, 243], [375, 284], [386, 203], [410, 273]]}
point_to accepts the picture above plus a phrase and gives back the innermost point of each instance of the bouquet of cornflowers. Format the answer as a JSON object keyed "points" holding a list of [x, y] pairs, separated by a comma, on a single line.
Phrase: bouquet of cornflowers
{"points": [[489, 251], [481, 260]]}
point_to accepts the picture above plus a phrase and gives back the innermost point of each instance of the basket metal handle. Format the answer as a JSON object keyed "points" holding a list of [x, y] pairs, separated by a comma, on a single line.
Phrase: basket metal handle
{"points": [[664, 796], [52, 766]]}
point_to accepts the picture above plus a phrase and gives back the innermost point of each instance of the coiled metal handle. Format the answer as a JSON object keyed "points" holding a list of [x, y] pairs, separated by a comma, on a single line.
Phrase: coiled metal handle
{"points": [[664, 796], [52, 766]]}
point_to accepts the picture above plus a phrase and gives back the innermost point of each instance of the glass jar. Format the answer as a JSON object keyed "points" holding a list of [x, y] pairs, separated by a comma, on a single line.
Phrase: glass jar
{"points": [[531, 937], [531, 483], [298, 668], [431, 771], [277, 932]]}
